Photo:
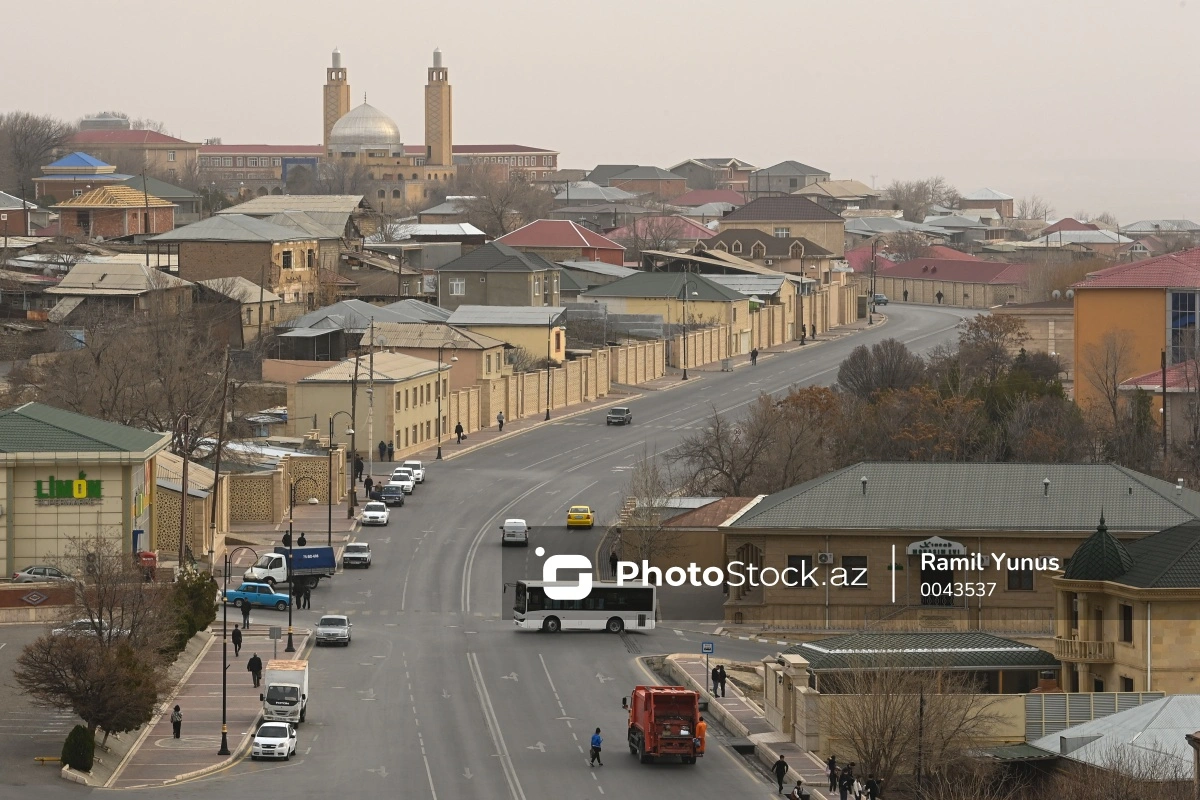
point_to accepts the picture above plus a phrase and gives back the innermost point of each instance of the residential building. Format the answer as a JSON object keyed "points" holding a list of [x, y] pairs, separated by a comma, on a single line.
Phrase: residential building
{"points": [[900, 523], [837, 196], [859, 258], [554, 180], [496, 274], [348, 215], [536, 330], [16, 216], [966, 230], [680, 299], [187, 203], [1126, 612], [715, 173], [1000, 202], [73, 176], [380, 278], [790, 216], [603, 216], [793, 254], [1050, 326], [601, 174], [1162, 228], [1084, 243], [282, 260], [1144, 308], [700, 197], [47, 452], [258, 169], [562, 240], [1145, 247], [967, 283], [1068, 224], [509, 159], [767, 292], [590, 274], [588, 193], [864, 229], [133, 152], [785, 177], [406, 399], [246, 309], [450, 211], [110, 212], [24, 295], [118, 289], [475, 357], [654, 181], [660, 232], [333, 332]]}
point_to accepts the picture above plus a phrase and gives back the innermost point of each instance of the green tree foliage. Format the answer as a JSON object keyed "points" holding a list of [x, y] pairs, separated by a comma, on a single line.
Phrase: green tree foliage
{"points": [[79, 749], [194, 602]]}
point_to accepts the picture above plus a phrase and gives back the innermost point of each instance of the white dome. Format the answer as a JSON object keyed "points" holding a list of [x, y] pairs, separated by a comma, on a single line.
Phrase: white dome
{"points": [[367, 128]]}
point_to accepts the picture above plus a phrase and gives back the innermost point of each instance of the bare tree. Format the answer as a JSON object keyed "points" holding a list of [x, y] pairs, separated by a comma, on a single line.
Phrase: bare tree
{"points": [[521, 360], [988, 343], [907, 245], [27, 142], [915, 197], [652, 232], [1033, 207], [341, 176], [1124, 771], [722, 459], [498, 203], [1107, 363], [886, 365], [641, 535]]}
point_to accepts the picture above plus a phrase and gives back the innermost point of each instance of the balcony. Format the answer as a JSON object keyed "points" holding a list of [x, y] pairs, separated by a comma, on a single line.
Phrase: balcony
{"points": [[1081, 651]]}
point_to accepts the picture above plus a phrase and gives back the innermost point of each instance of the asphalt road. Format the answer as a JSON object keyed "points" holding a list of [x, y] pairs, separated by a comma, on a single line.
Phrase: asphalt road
{"points": [[439, 697]]}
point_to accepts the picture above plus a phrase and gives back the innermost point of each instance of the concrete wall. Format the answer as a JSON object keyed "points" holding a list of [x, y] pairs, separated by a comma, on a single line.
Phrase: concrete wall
{"points": [[633, 364], [954, 293]]}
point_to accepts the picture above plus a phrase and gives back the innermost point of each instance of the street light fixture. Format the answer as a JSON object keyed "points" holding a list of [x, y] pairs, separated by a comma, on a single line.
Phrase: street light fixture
{"points": [[349, 432], [453, 358], [683, 291], [229, 554]]}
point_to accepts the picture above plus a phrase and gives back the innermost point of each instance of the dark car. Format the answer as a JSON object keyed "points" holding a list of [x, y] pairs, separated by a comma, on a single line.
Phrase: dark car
{"points": [[391, 494], [881, 300], [619, 416]]}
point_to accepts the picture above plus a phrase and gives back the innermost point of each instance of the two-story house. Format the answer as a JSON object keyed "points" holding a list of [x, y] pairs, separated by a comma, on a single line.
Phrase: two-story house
{"points": [[790, 217], [785, 177], [715, 173], [476, 357], [498, 275]]}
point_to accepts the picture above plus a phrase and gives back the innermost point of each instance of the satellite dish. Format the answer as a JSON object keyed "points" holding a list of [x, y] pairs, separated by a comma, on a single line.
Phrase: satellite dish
{"points": [[1056, 294], [1070, 294]]}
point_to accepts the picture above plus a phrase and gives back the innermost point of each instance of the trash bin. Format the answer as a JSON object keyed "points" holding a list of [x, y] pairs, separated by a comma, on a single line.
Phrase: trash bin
{"points": [[726, 365]]}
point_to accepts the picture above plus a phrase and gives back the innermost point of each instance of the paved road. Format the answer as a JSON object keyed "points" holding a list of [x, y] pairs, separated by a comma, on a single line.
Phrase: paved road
{"points": [[439, 696]]}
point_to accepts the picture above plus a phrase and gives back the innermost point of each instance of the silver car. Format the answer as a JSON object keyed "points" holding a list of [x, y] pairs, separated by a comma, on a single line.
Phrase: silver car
{"points": [[38, 573], [334, 629], [357, 554]]}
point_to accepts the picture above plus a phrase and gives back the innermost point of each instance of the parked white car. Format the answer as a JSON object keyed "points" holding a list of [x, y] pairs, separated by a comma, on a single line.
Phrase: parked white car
{"points": [[357, 554], [274, 740], [404, 479], [418, 470], [375, 513], [514, 531]]}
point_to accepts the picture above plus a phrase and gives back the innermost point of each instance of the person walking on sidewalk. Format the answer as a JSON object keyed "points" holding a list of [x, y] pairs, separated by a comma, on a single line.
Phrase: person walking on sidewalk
{"points": [[391, 451], [358, 468], [254, 667], [237, 641], [500, 421], [754, 356], [307, 596], [367, 484], [831, 770], [246, 616], [612, 562], [721, 674], [595, 753], [780, 768], [458, 431], [382, 450], [176, 721], [716, 680]]}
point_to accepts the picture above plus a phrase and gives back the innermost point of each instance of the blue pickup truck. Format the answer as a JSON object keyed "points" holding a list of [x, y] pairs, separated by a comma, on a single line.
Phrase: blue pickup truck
{"points": [[257, 594]]}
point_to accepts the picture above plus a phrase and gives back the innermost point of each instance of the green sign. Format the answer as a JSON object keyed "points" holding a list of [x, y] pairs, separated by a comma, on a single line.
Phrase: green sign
{"points": [[81, 491]]}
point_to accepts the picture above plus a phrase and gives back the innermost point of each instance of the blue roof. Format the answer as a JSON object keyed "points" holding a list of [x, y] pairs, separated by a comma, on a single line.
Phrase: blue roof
{"points": [[114, 177], [79, 160]]}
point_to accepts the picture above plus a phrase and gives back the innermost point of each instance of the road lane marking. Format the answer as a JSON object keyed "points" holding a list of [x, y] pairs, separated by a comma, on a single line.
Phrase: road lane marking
{"points": [[469, 565], [489, 716]]}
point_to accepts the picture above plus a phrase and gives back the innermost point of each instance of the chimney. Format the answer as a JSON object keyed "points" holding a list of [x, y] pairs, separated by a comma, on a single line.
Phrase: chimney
{"points": [[1178, 487], [864, 485], [1045, 487]]}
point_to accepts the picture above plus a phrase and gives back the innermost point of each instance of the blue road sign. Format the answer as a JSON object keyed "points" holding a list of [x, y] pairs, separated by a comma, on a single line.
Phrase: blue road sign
{"points": [[707, 648]]}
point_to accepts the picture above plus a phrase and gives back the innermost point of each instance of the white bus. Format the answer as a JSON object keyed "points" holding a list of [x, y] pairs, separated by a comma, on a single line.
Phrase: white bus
{"points": [[608, 607]]}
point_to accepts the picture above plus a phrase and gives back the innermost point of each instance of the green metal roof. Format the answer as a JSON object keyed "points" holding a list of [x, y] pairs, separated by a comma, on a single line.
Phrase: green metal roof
{"points": [[1169, 559], [666, 285], [950, 650], [38, 428], [1100, 558], [976, 497], [1019, 752]]}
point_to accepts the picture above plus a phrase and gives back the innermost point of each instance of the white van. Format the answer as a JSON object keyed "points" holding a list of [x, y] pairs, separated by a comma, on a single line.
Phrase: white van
{"points": [[515, 531]]}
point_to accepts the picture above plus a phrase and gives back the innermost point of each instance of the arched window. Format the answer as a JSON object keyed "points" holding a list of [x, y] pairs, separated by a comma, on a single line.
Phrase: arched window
{"points": [[262, 191], [382, 194], [721, 246], [395, 194], [796, 251], [758, 251], [737, 247], [414, 177]]}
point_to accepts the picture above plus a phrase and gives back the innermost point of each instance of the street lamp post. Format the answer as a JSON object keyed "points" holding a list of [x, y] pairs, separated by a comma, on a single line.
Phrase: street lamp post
{"points": [[549, 339], [287, 540], [453, 358], [349, 432], [684, 292], [224, 751]]}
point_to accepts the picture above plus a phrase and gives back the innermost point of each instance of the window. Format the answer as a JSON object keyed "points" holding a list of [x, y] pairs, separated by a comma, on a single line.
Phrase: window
{"points": [[251, 162], [735, 313], [277, 162], [737, 247], [856, 571], [488, 369], [800, 578], [227, 161], [792, 183], [312, 258], [1127, 624], [77, 193], [783, 233], [547, 161], [1126, 684], [458, 287], [1020, 580], [427, 425], [287, 259], [395, 194], [272, 312], [405, 398], [248, 320], [170, 155], [758, 251], [557, 340], [239, 161], [1182, 334], [382, 194]]}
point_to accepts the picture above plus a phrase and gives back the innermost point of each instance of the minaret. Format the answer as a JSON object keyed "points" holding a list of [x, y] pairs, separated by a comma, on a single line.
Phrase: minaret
{"points": [[438, 150], [337, 94]]}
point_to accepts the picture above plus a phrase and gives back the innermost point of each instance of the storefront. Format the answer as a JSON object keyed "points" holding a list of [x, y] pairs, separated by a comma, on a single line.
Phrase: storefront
{"points": [[68, 476]]}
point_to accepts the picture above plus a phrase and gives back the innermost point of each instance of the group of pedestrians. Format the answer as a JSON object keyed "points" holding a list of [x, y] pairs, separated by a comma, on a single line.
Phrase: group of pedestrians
{"points": [[303, 595], [387, 451], [718, 680], [843, 781]]}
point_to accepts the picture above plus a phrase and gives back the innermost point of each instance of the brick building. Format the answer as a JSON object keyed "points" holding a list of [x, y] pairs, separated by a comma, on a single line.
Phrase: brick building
{"points": [[74, 175], [654, 181], [112, 211], [563, 240], [158, 154], [257, 169], [14, 215]]}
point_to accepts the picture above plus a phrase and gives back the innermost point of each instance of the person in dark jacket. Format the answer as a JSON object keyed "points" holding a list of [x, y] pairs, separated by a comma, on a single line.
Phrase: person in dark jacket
{"points": [[872, 786], [176, 721], [237, 641], [721, 674], [246, 617], [307, 596], [391, 452], [254, 667], [831, 770], [780, 768], [367, 484], [458, 431], [382, 450], [846, 781], [358, 468], [716, 680]]}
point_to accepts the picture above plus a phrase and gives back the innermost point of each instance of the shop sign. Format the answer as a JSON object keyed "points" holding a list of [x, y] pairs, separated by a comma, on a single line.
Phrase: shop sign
{"points": [[77, 492]]}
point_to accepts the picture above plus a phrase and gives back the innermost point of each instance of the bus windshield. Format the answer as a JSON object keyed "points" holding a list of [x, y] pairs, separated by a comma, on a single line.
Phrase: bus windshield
{"points": [[519, 602]]}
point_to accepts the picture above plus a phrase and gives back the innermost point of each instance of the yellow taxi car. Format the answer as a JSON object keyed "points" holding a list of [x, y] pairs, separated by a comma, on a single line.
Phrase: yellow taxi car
{"points": [[580, 517]]}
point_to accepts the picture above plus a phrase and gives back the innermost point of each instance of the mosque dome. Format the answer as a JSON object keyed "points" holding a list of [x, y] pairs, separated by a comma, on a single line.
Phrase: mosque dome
{"points": [[366, 128]]}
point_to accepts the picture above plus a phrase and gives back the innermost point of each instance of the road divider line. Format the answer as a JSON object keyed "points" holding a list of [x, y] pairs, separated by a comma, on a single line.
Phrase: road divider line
{"points": [[469, 564], [489, 716]]}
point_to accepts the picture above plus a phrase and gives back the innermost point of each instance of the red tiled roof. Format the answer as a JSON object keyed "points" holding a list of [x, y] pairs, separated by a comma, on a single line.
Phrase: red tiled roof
{"points": [[278, 149], [965, 270], [659, 227], [557, 233], [1069, 224], [859, 257], [1180, 377], [1172, 271], [698, 197], [124, 137]]}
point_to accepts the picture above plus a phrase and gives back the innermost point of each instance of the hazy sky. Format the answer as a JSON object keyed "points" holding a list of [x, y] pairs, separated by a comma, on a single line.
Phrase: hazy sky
{"points": [[1091, 104]]}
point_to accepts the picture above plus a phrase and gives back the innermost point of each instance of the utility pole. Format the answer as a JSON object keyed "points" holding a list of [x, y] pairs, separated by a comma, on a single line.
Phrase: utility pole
{"points": [[183, 489], [214, 494], [350, 501], [371, 404], [146, 227]]}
